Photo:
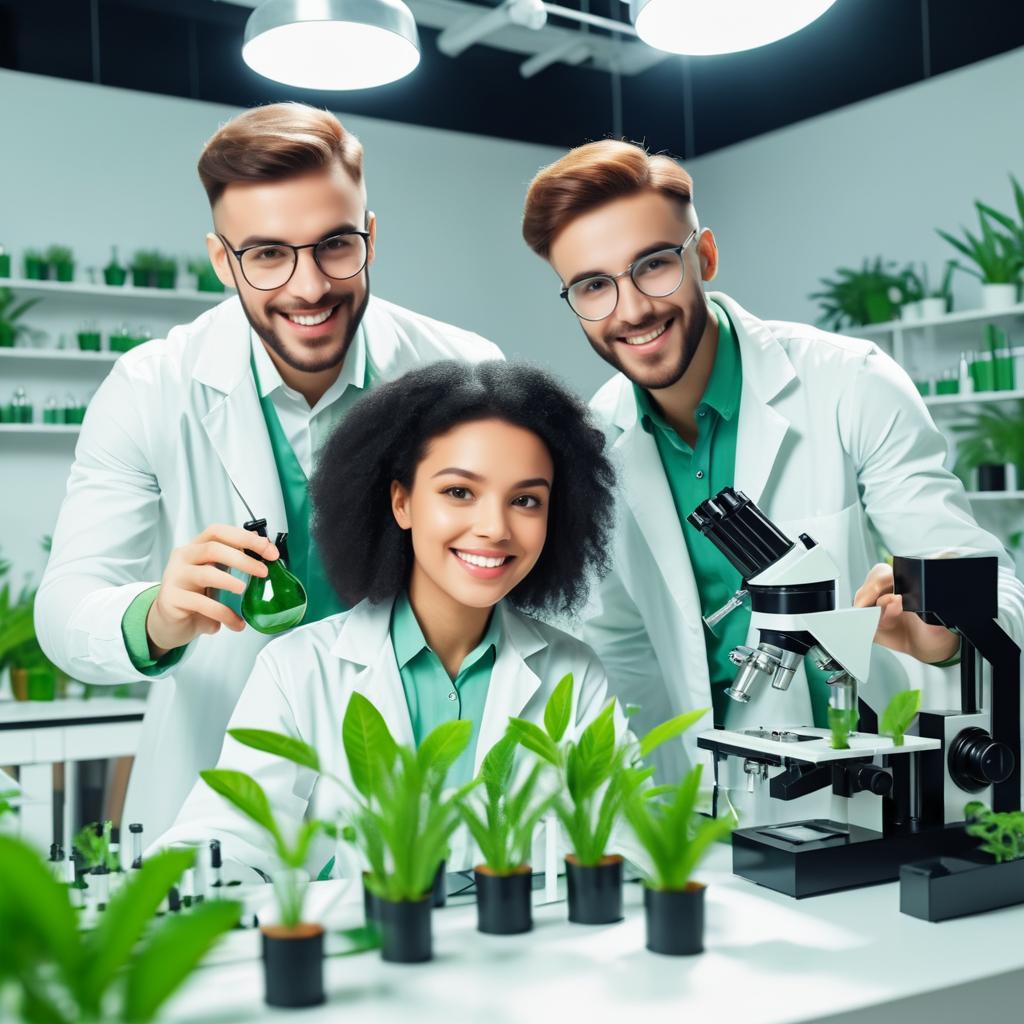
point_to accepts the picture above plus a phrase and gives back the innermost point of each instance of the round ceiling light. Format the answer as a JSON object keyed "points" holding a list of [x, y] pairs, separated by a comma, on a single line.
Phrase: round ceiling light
{"points": [[332, 44], [697, 27]]}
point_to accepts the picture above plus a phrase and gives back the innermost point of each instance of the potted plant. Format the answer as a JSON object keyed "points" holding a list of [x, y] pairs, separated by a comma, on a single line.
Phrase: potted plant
{"points": [[992, 440], [206, 277], [33, 675], [143, 268], [165, 271], [36, 268], [10, 313], [858, 297], [62, 260], [991, 877], [922, 302], [502, 824], [114, 274], [997, 258], [597, 775], [5, 262], [675, 839], [122, 970], [293, 949], [402, 821]]}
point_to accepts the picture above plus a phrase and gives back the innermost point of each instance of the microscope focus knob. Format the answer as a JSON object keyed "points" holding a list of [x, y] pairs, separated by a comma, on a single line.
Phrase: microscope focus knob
{"points": [[977, 761], [874, 779]]}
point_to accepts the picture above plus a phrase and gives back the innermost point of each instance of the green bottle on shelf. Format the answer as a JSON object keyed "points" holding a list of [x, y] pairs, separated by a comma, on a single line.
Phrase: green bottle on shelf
{"points": [[275, 602]]}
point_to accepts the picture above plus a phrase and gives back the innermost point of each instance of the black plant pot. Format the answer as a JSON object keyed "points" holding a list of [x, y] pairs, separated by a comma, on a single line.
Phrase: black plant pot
{"points": [[369, 903], [405, 930], [992, 478], [595, 893], [947, 887], [439, 890], [503, 902], [675, 920], [293, 965]]}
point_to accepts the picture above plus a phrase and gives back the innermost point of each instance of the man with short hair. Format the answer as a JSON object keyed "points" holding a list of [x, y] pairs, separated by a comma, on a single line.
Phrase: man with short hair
{"points": [[220, 423], [826, 433]]}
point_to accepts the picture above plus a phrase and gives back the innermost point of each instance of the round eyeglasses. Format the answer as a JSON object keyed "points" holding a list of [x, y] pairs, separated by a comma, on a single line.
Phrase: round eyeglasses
{"points": [[655, 275], [271, 265]]}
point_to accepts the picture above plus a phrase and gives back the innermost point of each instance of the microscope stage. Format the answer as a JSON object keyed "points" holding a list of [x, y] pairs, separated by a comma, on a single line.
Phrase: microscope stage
{"points": [[813, 746]]}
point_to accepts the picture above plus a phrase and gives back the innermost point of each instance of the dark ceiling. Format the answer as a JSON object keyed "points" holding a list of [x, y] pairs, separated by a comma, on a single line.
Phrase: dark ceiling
{"points": [[858, 49]]}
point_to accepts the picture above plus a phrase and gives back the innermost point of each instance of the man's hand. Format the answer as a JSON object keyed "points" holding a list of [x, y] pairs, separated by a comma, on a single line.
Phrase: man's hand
{"points": [[899, 630], [184, 608]]}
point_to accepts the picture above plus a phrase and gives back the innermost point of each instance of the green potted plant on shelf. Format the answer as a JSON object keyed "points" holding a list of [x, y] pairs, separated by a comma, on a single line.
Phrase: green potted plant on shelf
{"points": [[503, 823], [143, 268], [920, 300], [114, 273], [11, 312], [206, 277], [33, 675], [293, 949], [597, 775], [997, 260], [35, 266], [165, 271], [993, 440], [675, 838], [869, 295], [62, 260], [122, 970], [5, 262]]}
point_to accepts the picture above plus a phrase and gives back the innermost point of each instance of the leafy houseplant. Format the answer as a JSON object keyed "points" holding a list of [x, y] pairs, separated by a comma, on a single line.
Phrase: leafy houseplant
{"points": [[293, 950], [920, 300], [123, 970], [114, 274], [994, 439], [402, 820], [151, 269], [10, 313], [62, 260], [206, 277], [997, 258], [858, 297], [899, 713], [598, 775], [675, 839], [33, 676], [503, 829], [36, 268], [165, 271]]}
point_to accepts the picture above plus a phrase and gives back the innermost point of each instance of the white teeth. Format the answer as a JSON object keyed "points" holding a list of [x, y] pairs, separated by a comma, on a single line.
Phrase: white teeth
{"points": [[480, 560], [309, 321], [643, 339]]}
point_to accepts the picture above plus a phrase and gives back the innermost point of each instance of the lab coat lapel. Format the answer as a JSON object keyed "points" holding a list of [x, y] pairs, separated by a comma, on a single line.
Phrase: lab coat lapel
{"points": [[767, 371], [513, 683], [234, 421], [365, 641]]}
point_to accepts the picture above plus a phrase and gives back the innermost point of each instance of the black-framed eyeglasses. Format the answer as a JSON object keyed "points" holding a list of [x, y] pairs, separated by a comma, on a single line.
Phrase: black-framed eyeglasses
{"points": [[656, 275], [271, 265]]}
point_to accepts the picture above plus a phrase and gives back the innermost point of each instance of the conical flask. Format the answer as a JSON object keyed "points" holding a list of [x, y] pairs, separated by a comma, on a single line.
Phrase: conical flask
{"points": [[275, 602]]}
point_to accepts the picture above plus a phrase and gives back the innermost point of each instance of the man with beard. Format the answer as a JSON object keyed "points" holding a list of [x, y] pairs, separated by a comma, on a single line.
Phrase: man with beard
{"points": [[827, 434], [191, 436]]}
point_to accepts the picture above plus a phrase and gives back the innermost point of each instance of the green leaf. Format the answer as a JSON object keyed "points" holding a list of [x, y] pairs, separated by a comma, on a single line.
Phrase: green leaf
{"points": [[109, 946], [670, 730], [559, 708], [173, 952], [246, 794], [534, 738], [899, 713], [369, 745], [442, 746], [278, 744]]}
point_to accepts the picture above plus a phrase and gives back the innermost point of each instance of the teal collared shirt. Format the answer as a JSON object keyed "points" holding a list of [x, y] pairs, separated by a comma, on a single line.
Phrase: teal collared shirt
{"points": [[697, 473], [431, 694]]}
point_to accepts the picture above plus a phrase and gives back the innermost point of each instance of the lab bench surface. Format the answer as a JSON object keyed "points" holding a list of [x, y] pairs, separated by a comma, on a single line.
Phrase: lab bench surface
{"points": [[846, 957]]}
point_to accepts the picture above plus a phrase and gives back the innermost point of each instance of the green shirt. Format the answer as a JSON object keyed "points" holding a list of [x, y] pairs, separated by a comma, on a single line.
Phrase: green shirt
{"points": [[431, 694]]}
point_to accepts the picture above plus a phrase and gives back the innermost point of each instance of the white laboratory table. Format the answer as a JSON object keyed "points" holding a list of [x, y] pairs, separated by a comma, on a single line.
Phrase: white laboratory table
{"points": [[848, 957], [36, 735]]}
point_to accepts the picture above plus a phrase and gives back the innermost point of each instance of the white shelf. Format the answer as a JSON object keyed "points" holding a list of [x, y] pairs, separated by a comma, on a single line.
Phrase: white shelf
{"points": [[127, 292], [975, 398], [996, 495], [964, 316], [103, 358], [40, 428]]}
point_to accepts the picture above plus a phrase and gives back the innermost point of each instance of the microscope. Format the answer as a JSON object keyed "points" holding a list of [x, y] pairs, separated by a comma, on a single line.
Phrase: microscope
{"points": [[888, 804]]}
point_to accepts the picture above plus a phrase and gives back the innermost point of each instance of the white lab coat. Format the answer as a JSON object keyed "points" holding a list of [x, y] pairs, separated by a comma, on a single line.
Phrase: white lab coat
{"points": [[301, 685], [175, 422], [833, 441]]}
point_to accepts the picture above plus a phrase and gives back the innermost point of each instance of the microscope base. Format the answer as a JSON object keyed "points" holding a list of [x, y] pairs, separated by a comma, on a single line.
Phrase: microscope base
{"points": [[810, 858]]}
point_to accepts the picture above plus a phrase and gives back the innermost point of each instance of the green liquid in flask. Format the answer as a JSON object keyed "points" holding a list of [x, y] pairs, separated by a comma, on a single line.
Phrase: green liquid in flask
{"points": [[275, 602]]}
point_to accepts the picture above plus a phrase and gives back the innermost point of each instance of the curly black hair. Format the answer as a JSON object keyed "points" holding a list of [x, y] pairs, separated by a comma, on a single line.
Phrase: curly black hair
{"points": [[366, 554]]}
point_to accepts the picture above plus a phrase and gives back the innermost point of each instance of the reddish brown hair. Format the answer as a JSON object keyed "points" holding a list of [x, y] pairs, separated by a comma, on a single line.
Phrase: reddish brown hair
{"points": [[589, 176], [275, 142]]}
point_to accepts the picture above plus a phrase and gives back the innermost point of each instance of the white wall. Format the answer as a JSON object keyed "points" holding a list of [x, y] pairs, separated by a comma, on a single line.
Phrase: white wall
{"points": [[874, 178]]}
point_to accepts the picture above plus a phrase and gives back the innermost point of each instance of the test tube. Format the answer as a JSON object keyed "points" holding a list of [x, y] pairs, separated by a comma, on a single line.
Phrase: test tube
{"points": [[216, 879], [136, 833]]}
